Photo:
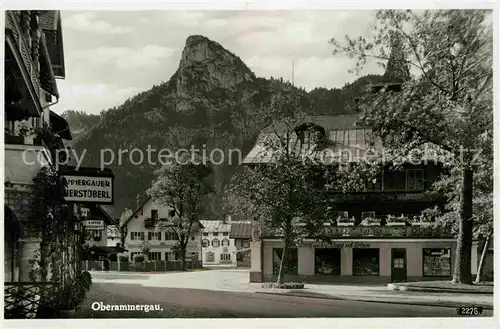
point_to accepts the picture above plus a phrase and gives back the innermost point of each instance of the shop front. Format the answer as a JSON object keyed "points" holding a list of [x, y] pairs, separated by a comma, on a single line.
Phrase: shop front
{"points": [[358, 260]]}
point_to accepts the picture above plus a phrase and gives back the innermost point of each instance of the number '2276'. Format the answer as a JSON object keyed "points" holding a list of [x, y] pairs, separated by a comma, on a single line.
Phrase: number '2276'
{"points": [[470, 311]]}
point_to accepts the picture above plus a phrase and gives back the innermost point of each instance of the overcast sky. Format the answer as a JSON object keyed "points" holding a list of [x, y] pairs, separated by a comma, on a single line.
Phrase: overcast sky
{"points": [[111, 56]]}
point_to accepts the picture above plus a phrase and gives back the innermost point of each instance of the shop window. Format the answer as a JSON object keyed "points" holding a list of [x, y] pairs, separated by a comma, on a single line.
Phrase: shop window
{"points": [[365, 261], [437, 262], [215, 243], [225, 256], [205, 243], [210, 257], [327, 261], [226, 243], [415, 179], [292, 261]]}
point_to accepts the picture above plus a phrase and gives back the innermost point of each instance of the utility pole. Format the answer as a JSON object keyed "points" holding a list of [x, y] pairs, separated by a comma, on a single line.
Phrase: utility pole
{"points": [[293, 72]]}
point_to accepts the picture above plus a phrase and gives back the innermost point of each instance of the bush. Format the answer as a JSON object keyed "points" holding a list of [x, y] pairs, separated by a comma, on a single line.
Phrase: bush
{"points": [[139, 259], [86, 279], [285, 285], [124, 259]]}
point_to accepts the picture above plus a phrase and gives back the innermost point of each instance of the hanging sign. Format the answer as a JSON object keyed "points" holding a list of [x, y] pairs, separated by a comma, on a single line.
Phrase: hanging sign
{"points": [[94, 225]]}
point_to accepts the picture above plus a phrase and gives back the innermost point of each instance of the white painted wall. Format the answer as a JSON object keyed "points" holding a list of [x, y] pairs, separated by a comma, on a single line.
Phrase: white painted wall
{"points": [[136, 224]]}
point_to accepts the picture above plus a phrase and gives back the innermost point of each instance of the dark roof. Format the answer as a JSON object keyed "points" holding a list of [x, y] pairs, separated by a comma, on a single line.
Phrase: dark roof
{"points": [[327, 122], [241, 231], [101, 213], [134, 213], [48, 19]]}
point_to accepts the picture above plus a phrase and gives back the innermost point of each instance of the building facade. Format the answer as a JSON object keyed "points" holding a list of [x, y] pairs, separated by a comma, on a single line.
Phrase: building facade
{"points": [[379, 233], [34, 134], [140, 227], [218, 247]]}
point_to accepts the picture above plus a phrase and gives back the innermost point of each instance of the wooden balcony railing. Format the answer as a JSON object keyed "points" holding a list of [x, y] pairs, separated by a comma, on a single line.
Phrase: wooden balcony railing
{"points": [[382, 196], [12, 24], [414, 231], [26, 300]]}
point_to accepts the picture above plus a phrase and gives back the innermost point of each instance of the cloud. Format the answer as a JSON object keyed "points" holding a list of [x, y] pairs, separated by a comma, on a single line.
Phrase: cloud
{"points": [[88, 22], [91, 98], [125, 57]]}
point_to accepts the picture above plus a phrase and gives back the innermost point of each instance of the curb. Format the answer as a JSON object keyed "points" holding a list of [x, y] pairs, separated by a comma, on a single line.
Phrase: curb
{"points": [[374, 300], [450, 291]]}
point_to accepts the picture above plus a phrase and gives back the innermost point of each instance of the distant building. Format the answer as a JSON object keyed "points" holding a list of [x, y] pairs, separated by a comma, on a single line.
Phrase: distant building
{"points": [[241, 233], [140, 227], [218, 247]]}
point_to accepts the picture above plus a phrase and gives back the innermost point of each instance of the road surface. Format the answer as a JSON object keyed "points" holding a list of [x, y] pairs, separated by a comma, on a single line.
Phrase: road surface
{"points": [[196, 303]]}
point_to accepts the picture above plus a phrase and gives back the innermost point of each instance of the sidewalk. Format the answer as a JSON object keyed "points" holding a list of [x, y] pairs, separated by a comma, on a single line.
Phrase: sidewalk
{"points": [[381, 294]]}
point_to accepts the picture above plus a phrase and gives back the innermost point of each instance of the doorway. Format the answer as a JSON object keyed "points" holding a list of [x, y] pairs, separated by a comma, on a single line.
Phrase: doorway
{"points": [[398, 267]]}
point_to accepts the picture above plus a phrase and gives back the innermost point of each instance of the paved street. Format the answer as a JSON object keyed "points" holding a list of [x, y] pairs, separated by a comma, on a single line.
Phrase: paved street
{"points": [[227, 293], [185, 303]]}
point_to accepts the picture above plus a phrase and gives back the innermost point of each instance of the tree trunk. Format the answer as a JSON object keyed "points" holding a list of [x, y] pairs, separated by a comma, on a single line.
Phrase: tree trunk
{"points": [[462, 268], [183, 257], [480, 269], [283, 262]]}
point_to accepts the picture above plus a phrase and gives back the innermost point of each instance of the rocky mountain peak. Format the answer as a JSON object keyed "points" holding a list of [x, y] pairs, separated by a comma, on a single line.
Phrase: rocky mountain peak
{"points": [[205, 65]]}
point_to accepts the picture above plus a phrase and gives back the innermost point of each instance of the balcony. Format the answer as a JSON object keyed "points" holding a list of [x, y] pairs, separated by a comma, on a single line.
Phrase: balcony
{"points": [[375, 196], [149, 223]]}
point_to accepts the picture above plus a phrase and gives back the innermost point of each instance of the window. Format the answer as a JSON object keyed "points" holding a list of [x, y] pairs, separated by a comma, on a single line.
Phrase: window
{"points": [[215, 234], [292, 261], [225, 234], [170, 236], [246, 244], [374, 184], [154, 255], [205, 234], [210, 257], [133, 254], [327, 261], [414, 179], [154, 236], [205, 243], [215, 243], [226, 243], [365, 261], [437, 262], [154, 215], [96, 235], [136, 235], [225, 256]]}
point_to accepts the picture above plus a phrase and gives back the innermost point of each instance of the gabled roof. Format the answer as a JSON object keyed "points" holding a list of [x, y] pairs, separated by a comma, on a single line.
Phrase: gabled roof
{"points": [[135, 212], [139, 208], [215, 226]]}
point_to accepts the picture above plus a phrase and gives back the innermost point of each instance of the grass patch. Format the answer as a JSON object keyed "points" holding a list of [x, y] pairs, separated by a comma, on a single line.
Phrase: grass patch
{"points": [[285, 285]]}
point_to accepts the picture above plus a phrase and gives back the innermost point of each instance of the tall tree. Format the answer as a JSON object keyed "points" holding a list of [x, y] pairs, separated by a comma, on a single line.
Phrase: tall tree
{"points": [[283, 188], [448, 101], [183, 185]]}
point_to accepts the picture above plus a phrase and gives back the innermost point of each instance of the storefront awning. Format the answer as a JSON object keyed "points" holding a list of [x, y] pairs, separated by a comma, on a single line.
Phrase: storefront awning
{"points": [[60, 126]]}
